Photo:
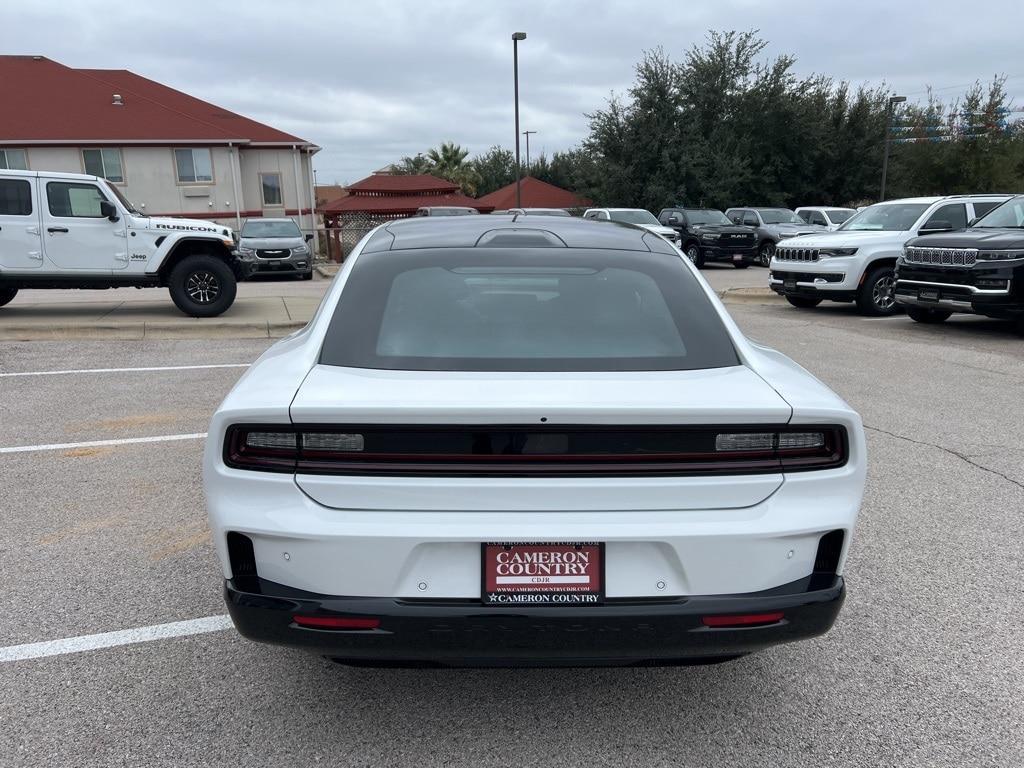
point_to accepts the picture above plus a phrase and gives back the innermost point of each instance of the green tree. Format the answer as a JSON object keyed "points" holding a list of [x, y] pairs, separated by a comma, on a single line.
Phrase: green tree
{"points": [[495, 169]]}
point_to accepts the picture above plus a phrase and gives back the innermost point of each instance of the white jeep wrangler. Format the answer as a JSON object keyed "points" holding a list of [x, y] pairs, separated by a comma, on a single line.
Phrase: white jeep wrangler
{"points": [[70, 230]]}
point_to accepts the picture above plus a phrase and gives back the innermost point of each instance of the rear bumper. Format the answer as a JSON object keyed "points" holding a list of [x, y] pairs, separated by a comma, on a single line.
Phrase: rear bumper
{"points": [[465, 633]]}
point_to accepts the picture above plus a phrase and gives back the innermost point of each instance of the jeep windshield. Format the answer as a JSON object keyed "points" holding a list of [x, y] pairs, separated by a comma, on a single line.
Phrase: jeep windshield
{"points": [[779, 216], [255, 228], [885, 217], [707, 217], [635, 217], [1009, 215]]}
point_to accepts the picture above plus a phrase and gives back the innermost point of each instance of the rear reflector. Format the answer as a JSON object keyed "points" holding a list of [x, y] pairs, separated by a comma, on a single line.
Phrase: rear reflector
{"points": [[336, 622], [742, 620]]}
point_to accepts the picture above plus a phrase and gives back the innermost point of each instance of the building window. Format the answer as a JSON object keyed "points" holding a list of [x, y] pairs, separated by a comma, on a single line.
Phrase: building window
{"points": [[105, 163], [271, 185], [194, 166], [14, 159]]}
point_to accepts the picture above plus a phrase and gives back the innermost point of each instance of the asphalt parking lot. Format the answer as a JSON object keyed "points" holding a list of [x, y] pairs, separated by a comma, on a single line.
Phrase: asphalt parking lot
{"points": [[923, 668]]}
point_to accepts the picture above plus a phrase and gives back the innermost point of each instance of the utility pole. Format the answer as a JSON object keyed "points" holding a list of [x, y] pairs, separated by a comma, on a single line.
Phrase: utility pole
{"points": [[527, 135], [893, 101]]}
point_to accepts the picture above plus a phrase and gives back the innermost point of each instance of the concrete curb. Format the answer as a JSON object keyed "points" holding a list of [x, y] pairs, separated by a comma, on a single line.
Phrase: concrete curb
{"points": [[749, 296], [195, 329]]}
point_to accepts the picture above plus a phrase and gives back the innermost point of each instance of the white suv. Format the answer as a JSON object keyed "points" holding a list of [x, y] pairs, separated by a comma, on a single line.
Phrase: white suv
{"points": [[857, 262], [70, 230]]}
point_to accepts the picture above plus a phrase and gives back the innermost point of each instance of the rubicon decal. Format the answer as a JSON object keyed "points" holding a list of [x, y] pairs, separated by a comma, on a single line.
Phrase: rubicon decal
{"points": [[555, 574], [186, 227]]}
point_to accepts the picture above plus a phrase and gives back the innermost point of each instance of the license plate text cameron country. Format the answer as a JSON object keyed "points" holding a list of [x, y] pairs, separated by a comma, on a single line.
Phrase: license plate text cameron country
{"points": [[560, 573]]}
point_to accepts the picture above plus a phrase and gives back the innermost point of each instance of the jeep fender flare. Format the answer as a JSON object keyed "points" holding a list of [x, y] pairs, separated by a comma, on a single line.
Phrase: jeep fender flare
{"points": [[190, 245]]}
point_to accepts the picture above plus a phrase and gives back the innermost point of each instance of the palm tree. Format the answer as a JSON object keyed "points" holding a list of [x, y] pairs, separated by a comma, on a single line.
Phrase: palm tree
{"points": [[449, 162]]}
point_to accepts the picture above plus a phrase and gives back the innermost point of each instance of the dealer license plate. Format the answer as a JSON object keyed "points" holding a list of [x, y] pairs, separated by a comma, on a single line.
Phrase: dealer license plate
{"points": [[789, 284], [737, 257], [928, 295], [560, 573]]}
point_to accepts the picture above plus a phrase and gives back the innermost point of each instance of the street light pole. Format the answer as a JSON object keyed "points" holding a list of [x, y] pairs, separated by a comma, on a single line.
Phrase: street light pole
{"points": [[893, 101], [527, 135], [516, 37]]}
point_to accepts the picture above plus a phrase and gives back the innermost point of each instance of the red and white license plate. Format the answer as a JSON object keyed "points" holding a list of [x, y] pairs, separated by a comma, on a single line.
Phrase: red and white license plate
{"points": [[543, 574]]}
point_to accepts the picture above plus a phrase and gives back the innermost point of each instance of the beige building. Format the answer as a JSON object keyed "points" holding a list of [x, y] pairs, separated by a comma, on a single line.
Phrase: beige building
{"points": [[169, 153]]}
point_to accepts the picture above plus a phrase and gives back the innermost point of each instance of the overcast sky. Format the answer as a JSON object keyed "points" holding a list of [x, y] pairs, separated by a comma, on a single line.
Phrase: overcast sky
{"points": [[372, 81]]}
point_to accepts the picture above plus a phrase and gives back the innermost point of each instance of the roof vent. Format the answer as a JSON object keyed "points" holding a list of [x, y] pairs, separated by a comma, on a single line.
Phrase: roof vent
{"points": [[118, 100]]}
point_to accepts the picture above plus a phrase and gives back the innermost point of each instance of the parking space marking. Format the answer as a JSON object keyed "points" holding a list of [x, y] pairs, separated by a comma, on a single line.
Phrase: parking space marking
{"points": [[100, 443], [111, 639], [124, 370]]}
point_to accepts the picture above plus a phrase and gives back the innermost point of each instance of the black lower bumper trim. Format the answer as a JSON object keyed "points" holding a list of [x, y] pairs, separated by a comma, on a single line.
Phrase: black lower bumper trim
{"points": [[465, 633], [814, 293]]}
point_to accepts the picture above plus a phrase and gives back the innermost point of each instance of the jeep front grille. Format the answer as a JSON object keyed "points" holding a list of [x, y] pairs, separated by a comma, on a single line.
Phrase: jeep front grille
{"points": [[945, 257], [796, 254]]}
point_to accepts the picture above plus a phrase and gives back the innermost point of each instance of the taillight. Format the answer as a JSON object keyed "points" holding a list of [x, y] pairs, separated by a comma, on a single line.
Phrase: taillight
{"points": [[742, 620], [524, 451]]}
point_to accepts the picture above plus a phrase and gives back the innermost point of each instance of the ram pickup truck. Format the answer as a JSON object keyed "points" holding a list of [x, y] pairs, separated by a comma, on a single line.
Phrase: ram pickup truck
{"points": [[707, 235], [71, 230]]}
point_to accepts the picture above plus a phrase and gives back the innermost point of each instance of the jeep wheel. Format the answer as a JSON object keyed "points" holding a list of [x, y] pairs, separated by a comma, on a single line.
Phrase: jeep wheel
{"points": [[202, 286], [307, 275], [876, 295], [803, 302], [693, 254], [928, 316], [765, 253], [7, 295]]}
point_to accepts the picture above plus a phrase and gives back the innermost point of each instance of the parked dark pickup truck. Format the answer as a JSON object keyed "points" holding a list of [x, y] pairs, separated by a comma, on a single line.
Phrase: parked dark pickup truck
{"points": [[978, 270], [707, 235]]}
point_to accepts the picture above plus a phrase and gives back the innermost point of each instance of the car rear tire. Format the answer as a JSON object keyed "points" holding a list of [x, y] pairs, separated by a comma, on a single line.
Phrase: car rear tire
{"points": [[307, 275], [928, 316], [765, 253], [876, 295], [7, 295], [693, 253], [202, 286], [803, 302]]}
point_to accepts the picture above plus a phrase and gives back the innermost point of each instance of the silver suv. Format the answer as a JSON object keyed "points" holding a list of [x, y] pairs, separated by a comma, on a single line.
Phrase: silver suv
{"points": [[276, 246], [771, 226]]}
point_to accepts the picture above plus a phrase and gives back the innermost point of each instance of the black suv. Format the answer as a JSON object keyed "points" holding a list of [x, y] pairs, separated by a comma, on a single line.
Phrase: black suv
{"points": [[707, 235], [978, 270]]}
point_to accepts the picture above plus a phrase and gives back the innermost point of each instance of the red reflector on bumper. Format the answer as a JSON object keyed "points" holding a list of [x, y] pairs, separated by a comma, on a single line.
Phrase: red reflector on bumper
{"points": [[742, 620], [335, 622]]}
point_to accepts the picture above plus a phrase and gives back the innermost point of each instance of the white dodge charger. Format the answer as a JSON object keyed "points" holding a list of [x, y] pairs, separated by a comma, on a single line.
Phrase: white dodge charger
{"points": [[505, 442]]}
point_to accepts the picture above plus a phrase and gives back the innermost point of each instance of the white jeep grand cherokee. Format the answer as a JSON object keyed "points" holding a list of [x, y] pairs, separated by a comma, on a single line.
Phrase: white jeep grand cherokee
{"points": [[504, 443]]}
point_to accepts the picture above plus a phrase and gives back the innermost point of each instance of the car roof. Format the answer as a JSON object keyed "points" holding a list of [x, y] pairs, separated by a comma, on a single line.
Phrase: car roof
{"points": [[49, 175], [942, 198], [504, 230], [825, 208], [276, 219]]}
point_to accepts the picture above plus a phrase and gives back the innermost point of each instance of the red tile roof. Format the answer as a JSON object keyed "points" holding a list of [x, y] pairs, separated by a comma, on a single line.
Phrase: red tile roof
{"points": [[400, 204], [47, 102], [401, 185], [535, 194]]}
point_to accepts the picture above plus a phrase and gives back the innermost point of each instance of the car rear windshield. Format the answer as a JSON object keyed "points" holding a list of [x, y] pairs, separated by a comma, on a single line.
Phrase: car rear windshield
{"points": [[885, 217], [525, 309], [270, 229]]}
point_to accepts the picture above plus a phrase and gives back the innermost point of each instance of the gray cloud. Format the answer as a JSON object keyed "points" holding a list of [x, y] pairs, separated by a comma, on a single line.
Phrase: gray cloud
{"points": [[373, 81]]}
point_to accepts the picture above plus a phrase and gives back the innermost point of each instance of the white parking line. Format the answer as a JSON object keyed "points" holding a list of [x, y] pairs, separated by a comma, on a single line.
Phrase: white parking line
{"points": [[101, 443], [124, 370], [111, 639]]}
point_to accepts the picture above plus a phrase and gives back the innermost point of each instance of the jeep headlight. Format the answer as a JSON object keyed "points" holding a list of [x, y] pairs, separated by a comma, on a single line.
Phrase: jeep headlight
{"points": [[837, 252], [246, 252], [711, 236], [301, 250]]}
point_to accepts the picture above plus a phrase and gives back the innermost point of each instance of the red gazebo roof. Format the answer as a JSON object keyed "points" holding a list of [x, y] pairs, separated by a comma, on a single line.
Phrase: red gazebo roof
{"points": [[535, 194], [396, 205], [381, 183]]}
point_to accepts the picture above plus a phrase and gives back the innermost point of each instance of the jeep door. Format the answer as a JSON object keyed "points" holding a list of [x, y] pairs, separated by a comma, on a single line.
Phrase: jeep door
{"points": [[76, 234], [21, 246]]}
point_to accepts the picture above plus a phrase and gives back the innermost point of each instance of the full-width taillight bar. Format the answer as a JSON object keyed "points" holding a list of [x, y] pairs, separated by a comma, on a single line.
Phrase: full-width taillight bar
{"points": [[520, 450]]}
